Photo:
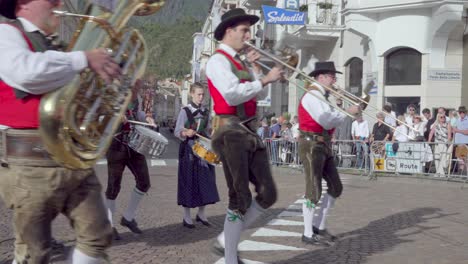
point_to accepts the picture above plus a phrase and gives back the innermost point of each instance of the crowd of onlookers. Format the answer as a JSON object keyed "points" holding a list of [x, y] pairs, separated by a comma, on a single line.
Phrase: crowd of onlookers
{"points": [[444, 136]]}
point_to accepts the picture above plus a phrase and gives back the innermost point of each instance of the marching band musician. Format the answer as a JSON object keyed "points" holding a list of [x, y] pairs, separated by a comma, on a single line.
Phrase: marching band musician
{"points": [[234, 89], [32, 184], [317, 121], [119, 156], [196, 178]]}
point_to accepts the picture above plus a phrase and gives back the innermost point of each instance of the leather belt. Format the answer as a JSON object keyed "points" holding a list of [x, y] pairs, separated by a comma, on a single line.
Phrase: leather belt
{"points": [[23, 147], [313, 136]]}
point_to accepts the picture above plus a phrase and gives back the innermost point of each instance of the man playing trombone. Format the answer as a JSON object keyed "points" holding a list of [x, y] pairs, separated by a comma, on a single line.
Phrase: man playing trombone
{"points": [[235, 89], [317, 120]]}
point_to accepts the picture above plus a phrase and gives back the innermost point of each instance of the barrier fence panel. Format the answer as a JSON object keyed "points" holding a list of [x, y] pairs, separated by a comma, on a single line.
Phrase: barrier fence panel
{"points": [[417, 158], [436, 160], [349, 154]]}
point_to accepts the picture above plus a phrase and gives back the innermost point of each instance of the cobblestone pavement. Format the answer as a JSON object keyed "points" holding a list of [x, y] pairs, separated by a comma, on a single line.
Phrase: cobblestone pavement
{"points": [[391, 220]]}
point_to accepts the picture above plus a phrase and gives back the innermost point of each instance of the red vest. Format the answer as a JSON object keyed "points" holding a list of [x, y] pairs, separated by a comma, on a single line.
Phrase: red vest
{"points": [[19, 113], [221, 107], [306, 122]]}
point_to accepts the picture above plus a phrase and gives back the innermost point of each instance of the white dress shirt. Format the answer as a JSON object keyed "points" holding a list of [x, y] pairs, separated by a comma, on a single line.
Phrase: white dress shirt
{"points": [[35, 72], [360, 129], [219, 71], [321, 112]]}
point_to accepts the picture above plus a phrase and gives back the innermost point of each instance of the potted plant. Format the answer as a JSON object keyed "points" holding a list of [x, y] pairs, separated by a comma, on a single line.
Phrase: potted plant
{"points": [[325, 5]]}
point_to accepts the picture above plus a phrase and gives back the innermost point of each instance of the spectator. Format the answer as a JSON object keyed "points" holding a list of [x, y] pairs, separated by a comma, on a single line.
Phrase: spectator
{"points": [[390, 116], [441, 111], [275, 128], [380, 133], [275, 133], [441, 130], [401, 132], [295, 128], [264, 130], [259, 36], [360, 133], [343, 133], [453, 117], [418, 128], [287, 142], [461, 136], [427, 122], [411, 113]]}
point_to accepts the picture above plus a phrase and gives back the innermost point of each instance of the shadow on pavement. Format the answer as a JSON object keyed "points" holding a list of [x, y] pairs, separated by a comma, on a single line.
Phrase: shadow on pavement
{"points": [[176, 234], [377, 237]]}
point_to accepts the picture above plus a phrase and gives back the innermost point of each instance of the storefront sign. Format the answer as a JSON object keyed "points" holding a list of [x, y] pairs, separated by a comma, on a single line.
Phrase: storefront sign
{"points": [[274, 15], [267, 101], [444, 75], [371, 79]]}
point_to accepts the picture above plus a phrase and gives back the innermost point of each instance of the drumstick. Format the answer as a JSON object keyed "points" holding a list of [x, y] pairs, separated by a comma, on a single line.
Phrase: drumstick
{"points": [[202, 136], [141, 123]]}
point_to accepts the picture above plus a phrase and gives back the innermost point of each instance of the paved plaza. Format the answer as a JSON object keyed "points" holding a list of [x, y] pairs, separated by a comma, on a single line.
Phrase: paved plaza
{"points": [[390, 220]]}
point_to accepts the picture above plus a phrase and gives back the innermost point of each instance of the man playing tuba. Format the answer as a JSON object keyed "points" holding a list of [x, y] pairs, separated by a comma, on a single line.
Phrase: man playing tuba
{"points": [[33, 185]]}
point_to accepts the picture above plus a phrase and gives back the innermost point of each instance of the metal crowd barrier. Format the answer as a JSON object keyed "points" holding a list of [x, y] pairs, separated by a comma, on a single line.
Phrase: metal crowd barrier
{"points": [[350, 155], [427, 159]]}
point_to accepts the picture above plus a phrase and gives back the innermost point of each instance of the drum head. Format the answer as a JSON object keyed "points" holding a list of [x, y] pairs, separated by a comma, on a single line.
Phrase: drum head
{"points": [[151, 133]]}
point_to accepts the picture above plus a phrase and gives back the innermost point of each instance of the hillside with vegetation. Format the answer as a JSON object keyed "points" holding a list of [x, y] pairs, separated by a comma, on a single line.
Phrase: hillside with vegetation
{"points": [[168, 35]]}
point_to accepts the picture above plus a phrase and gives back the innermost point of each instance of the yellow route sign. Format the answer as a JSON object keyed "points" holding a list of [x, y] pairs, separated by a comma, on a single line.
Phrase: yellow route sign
{"points": [[379, 163]]}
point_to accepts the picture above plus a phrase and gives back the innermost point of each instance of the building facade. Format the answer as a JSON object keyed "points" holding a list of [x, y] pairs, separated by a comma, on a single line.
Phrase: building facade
{"points": [[397, 51]]}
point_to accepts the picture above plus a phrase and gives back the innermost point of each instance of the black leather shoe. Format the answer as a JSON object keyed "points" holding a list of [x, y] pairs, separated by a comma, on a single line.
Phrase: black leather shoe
{"points": [[132, 225], [187, 224], [115, 234], [311, 240], [324, 234], [205, 223]]}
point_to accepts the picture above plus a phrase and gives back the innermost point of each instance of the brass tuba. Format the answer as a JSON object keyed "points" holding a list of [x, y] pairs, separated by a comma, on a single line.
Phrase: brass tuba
{"points": [[78, 121]]}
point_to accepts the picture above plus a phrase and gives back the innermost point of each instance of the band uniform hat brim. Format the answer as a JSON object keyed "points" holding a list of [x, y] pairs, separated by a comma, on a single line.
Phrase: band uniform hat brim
{"points": [[324, 67], [232, 17], [7, 8]]}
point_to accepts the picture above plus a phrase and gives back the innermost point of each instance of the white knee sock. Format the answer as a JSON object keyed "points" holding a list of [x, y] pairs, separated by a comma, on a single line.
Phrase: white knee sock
{"points": [[327, 207], [308, 217], [133, 204], [79, 257], [319, 211], [201, 213], [252, 214], [232, 232], [110, 204], [187, 216]]}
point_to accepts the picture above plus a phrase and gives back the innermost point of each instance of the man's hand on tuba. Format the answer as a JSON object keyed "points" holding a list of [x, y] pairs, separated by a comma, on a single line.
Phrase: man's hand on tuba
{"points": [[101, 62]]}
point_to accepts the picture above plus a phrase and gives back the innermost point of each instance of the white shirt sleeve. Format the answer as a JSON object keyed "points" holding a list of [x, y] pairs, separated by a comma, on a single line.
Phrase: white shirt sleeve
{"points": [[35, 72], [218, 70], [354, 129], [180, 124], [321, 112]]}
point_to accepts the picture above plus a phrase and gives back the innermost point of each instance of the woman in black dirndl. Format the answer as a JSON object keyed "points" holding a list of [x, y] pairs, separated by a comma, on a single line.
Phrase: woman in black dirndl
{"points": [[196, 177]]}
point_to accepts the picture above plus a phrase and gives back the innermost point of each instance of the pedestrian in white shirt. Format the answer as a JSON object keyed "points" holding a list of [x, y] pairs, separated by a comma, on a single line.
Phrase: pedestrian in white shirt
{"points": [[360, 133], [410, 114], [317, 120]]}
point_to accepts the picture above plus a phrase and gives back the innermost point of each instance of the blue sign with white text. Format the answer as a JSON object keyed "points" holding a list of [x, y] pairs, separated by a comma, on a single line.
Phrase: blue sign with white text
{"points": [[274, 15]]}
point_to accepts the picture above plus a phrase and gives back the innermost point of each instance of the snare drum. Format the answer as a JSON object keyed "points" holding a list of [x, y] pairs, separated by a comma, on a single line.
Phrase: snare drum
{"points": [[147, 142], [202, 149]]}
